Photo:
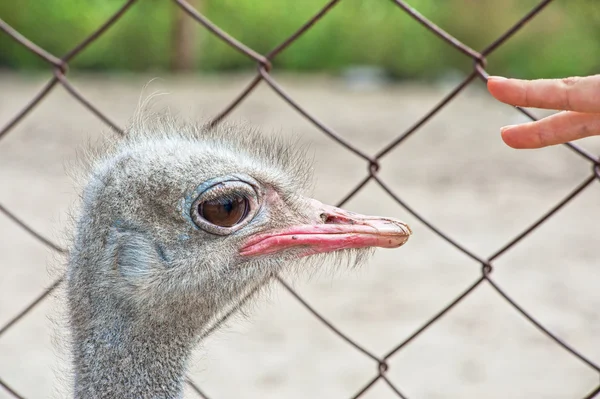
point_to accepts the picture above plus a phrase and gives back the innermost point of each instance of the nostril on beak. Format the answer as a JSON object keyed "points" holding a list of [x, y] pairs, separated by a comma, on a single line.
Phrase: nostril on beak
{"points": [[328, 219], [333, 219]]}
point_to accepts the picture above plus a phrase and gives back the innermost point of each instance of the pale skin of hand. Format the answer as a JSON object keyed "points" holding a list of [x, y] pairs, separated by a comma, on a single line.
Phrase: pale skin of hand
{"points": [[578, 97]]}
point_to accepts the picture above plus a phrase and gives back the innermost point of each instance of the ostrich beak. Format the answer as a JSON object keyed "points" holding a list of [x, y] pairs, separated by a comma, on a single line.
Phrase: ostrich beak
{"points": [[334, 229]]}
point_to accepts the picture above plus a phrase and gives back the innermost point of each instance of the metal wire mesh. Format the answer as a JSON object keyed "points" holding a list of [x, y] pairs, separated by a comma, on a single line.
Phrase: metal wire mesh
{"points": [[59, 68]]}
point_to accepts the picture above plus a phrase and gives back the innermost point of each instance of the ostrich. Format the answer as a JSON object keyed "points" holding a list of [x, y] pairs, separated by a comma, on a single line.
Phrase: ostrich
{"points": [[178, 222]]}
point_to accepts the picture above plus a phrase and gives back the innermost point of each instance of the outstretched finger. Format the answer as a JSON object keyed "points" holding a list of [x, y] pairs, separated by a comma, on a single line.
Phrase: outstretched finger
{"points": [[555, 129], [580, 94]]}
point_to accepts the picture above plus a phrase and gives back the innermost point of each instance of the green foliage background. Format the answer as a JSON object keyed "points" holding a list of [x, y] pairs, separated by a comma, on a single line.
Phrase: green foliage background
{"points": [[563, 40]]}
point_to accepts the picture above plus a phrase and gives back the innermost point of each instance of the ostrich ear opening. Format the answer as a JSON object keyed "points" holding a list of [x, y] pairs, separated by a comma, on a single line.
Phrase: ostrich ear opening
{"points": [[134, 255]]}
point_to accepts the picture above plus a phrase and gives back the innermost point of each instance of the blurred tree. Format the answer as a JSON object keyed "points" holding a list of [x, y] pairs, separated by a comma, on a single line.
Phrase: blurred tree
{"points": [[184, 38]]}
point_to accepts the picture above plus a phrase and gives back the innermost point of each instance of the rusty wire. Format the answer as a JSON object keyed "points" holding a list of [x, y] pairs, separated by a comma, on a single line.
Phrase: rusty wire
{"points": [[264, 65]]}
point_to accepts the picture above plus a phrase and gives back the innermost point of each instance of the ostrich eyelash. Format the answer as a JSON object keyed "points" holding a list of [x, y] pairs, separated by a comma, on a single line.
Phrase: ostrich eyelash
{"points": [[223, 194]]}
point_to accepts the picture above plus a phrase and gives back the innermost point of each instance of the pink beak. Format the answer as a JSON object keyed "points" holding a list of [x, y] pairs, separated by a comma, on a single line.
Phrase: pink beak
{"points": [[336, 229]]}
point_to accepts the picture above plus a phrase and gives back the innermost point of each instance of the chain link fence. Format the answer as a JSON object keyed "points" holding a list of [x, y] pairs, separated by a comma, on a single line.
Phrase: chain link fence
{"points": [[59, 66]]}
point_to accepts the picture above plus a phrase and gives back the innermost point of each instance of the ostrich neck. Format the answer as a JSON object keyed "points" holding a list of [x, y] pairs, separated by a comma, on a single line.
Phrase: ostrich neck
{"points": [[121, 358]]}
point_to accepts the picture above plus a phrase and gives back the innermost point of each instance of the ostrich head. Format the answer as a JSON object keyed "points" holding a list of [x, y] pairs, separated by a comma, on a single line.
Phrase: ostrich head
{"points": [[179, 221]]}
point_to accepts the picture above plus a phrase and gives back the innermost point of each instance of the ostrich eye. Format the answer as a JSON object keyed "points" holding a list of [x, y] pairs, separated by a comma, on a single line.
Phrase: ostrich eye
{"points": [[225, 212], [223, 207]]}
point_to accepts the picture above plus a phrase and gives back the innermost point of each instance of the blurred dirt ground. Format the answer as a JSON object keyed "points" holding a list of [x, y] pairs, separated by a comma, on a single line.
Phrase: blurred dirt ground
{"points": [[455, 171]]}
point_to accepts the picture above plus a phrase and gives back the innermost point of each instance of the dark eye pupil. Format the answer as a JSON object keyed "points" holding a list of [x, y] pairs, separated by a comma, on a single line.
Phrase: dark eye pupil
{"points": [[225, 212]]}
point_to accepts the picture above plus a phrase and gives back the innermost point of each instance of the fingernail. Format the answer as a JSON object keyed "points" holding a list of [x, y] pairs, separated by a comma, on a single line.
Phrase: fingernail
{"points": [[496, 78], [505, 128]]}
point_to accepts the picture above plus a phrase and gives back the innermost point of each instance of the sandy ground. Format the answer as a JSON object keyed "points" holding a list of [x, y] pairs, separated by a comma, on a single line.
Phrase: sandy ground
{"points": [[455, 171]]}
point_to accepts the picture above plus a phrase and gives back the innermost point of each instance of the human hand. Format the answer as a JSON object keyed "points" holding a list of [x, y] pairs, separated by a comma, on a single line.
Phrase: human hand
{"points": [[579, 97]]}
